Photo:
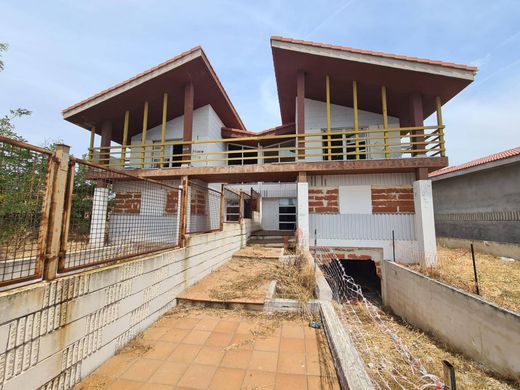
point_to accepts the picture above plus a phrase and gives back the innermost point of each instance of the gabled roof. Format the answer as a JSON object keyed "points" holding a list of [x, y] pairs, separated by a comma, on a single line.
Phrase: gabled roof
{"points": [[288, 128], [170, 76], [401, 75], [479, 162]]}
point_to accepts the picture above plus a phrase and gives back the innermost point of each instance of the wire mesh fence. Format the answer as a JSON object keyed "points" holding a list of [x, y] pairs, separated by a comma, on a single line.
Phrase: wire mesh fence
{"points": [[358, 314], [24, 180], [246, 205], [232, 212], [113, 215], [203, 209]]}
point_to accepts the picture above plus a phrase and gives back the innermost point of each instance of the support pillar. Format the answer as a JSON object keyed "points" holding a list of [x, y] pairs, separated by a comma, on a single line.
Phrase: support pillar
{"points": [[302, 204], [417, 120], [300, 109], [188, 121], [424, 222], [106, 138], [98, 221]]}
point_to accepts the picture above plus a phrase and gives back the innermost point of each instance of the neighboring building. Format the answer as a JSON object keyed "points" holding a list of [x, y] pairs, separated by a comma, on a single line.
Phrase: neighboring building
{"points": [[352, 145], [479, 201]]}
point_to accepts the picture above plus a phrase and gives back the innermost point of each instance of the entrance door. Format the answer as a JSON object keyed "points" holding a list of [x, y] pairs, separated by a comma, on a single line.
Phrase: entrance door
{"points": [[287, 214]]}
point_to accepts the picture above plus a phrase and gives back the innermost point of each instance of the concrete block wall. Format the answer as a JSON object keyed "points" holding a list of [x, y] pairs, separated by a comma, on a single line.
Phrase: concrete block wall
{"points": [[52, 334], [479, 329]]}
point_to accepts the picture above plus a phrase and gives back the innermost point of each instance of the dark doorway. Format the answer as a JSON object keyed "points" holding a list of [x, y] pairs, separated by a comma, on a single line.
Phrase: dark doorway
{"points": [[364, 273]]}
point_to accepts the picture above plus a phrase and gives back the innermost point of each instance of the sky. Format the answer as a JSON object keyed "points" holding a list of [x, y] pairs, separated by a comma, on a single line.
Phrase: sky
{"points": [[61, 52]]}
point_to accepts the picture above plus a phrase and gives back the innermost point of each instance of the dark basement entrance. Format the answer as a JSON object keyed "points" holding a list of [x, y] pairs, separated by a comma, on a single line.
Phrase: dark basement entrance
{"points": [[364, 273]]}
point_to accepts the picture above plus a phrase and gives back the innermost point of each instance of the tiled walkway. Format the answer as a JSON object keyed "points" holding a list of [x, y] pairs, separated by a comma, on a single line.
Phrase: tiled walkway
{"points": [[220, 349]]}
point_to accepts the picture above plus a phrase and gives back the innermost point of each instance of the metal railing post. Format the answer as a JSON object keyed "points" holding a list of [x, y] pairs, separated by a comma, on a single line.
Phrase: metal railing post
{"points": [[59, 189], [183, 221], [222, 206]]}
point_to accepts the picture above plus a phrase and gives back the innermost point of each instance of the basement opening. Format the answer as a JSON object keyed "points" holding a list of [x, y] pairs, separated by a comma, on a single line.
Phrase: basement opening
{"points": [[364, 273]]}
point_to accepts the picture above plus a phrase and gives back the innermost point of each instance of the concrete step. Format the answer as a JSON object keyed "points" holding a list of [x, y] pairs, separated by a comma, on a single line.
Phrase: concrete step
{"points": [[277, 233]]}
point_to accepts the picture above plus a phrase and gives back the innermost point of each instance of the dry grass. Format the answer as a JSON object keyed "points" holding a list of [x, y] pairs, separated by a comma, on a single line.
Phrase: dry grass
{"points": [[499, 280], [136, 347], [469, 374]]}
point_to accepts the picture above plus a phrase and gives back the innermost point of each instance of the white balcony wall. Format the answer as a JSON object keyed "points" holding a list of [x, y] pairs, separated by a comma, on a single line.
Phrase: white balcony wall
{"points": [[206, 126], [343, 118]]}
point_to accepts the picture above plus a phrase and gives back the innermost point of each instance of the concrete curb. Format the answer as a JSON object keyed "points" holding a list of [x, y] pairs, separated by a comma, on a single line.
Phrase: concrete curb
{"points": [[349, 366]]}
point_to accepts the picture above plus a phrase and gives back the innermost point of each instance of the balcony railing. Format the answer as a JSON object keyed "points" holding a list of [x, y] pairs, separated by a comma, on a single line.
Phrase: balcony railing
{"points": [[331, 145]]}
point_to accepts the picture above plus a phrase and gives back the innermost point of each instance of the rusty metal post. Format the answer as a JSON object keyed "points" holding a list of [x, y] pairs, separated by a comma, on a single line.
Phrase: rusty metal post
{"points": [[66, 215], [59, 188], [222, 206], [241, 209], [449, 375], [183, 221]]}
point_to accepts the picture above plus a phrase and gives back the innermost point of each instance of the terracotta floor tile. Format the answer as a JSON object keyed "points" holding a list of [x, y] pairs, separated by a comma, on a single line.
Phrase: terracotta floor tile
{"points": [[244, 328], [156, 386], [290, 382], [218, 339], [154, 333], [124, 384], [185, 323], [197, 337], [291, 363], [243, 341], [160, 350], [267, 344], [292, 330], [238, 358], [263, 361], [210, 355], [169, 373], [264, 380], [310, 333], [319, 383], [174, 335], [313, 365], [197, 376], [312, 347], [116, 365], [293, 345], [208, 323], [227, 379], [184, 353], [226, 326], [141, 370]]}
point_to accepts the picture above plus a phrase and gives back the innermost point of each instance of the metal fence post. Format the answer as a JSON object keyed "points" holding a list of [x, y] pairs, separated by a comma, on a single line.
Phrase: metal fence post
{"points": [[241, 209], [222, 206], [59, 189], [183, 221]]}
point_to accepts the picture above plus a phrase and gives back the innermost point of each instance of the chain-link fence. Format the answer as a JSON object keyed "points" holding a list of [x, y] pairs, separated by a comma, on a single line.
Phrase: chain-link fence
{"points": [[114, 215], [204, 209], [25, 178]]}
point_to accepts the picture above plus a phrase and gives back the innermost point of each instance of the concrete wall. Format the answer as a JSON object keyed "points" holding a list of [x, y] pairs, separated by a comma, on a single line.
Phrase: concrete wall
{"points": [[343, 118], [478, 329], [54, 334], [481, 205]]}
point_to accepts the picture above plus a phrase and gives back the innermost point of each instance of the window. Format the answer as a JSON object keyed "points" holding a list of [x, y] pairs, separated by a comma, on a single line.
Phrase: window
{"points": [[287, 214], [274, 155], [343, 146], [172, 155], [238, 152]]}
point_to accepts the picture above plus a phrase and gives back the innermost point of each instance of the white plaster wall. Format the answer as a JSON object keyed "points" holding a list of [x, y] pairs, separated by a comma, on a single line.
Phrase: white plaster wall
{"points": [[480, 330], [55, 333], [343, 117], [206, 125]]}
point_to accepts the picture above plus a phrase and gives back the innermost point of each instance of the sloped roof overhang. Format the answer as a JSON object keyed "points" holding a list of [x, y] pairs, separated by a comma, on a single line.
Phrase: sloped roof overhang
{"points": [[401, 75]]}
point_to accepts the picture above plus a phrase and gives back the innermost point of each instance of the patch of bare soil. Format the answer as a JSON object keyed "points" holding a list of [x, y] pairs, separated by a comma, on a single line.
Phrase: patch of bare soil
{"points": [[375, 345], [499, 280]]}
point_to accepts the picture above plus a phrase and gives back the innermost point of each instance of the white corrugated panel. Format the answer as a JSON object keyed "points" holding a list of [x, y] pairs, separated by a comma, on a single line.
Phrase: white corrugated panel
{"points": [[363, 227], [363, 179]]}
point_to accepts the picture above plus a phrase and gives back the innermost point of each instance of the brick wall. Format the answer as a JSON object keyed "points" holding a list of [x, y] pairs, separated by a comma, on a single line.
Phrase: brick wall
{"points": [[198, 201], [127, 203], [392, 200], [172, 202], [323, 200]]}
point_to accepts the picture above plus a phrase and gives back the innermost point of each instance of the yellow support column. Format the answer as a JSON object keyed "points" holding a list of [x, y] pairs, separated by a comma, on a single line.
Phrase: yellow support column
{"points": [[91, 145], [163, 126], [327, 92], [385, 120], [440, 126], [125, 138], [143, 138], [356, 117]]}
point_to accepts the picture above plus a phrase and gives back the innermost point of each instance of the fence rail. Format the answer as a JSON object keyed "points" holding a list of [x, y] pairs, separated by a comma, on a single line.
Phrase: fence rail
{"points": [[57, 214], [25, 181]]}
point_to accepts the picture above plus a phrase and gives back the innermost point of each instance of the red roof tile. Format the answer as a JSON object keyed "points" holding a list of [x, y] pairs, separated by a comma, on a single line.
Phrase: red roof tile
{"points": [[375, 53], [477, 162]]}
